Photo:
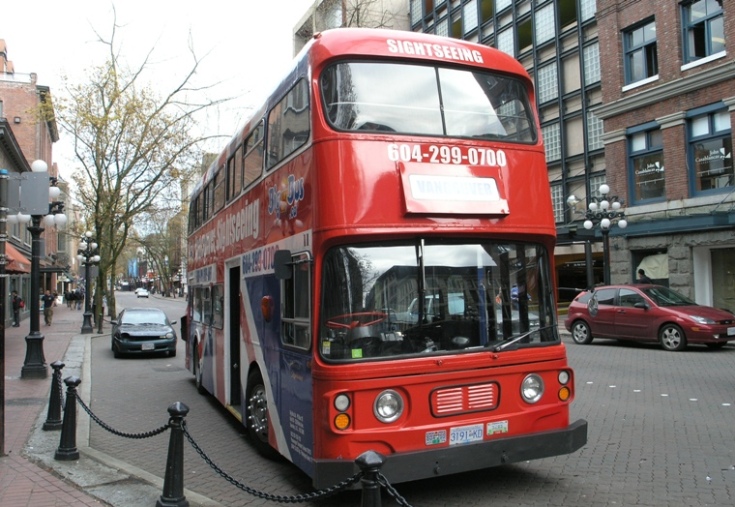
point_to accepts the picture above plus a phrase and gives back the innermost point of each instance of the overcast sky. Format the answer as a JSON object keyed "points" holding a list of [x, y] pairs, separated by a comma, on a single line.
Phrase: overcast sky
{"points": [[245, 45]]}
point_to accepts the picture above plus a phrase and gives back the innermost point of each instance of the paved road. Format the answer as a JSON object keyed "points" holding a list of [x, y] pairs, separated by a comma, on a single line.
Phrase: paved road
{"points": [[660, 433]]}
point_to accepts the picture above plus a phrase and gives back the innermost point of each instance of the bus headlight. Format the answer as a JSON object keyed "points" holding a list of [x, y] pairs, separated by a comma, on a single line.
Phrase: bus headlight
{"points": [[388, 406], [342, 402], [532, 388]]}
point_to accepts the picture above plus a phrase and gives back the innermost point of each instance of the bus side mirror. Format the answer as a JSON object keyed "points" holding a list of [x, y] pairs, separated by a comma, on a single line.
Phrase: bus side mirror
{"points": [[282, 264]]}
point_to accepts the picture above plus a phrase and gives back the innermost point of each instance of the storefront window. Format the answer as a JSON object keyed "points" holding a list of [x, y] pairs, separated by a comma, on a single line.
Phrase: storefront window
{"points": [[710, 151], [647, 165]]}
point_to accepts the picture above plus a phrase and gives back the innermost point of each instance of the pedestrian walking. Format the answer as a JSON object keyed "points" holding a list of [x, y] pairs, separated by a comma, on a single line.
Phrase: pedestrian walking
{"points": [[49, 301], [18, 304]]}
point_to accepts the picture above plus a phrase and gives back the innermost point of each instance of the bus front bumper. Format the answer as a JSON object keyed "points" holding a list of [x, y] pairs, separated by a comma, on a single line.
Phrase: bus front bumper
{"points": [[417, 465]]}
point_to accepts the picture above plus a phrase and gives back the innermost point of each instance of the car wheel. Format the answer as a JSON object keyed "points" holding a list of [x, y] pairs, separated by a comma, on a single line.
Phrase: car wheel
{"points": [[581, 333], [198, 371], [257, 415], [672, 337]]}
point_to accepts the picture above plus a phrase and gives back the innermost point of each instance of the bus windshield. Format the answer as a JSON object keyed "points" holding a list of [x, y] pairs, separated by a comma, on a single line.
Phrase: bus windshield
{"points": [[421, 298], [427, 100]]}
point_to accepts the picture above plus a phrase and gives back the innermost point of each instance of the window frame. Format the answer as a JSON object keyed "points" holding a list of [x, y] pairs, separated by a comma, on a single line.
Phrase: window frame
{"points": [[710, 112], [650, 130], [631, 49], [689, 29]]}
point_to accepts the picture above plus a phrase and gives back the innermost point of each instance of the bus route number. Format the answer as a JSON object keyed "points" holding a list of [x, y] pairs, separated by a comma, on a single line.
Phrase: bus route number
{"points": [[435, 154]]}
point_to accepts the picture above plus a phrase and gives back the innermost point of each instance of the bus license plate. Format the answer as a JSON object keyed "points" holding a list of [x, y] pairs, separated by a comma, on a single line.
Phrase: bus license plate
{"points": [[147, 346], [465, 434]]}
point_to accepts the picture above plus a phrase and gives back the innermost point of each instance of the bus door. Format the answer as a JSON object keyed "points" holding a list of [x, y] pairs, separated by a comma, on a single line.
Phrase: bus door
{"points": [[233, 311], [296, 396]]}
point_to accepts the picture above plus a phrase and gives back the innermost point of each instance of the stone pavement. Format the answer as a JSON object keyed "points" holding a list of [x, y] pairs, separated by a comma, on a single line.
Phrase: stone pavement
{"points": [[29, 474]]}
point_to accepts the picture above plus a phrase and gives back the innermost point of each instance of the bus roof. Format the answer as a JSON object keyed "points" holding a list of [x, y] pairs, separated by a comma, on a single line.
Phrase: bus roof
{"points": [[373, 43]]}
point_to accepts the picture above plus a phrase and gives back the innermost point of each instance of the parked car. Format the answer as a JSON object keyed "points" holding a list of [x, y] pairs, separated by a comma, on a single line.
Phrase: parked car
{"points": [[143, 331], [647, 313], [141, 292]]}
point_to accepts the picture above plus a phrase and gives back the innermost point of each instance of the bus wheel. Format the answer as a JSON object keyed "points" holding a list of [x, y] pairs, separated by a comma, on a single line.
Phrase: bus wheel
{"points": [[257, 415], [198, 371]]}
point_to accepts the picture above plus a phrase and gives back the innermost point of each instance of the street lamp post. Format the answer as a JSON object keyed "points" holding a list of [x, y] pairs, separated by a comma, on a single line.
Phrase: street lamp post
{"points": [[88, 257], [31, 190], [605, 211]]}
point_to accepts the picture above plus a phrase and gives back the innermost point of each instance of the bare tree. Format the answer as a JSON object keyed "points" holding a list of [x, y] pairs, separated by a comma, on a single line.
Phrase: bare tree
{"points": [[131, 143], [329, 14]]}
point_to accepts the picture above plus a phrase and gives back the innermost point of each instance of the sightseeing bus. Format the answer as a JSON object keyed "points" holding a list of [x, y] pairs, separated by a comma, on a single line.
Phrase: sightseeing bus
{"points": [[370, 264]]}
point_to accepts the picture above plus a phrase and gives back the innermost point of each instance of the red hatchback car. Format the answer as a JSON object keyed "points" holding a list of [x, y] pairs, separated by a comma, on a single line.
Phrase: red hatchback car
{"points": [[647, 313]]}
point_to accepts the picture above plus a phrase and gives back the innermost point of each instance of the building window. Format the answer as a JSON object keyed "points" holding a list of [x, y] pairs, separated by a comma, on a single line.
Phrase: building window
{"points": [[588, 9], [456, 25], [591, 55], [469, 14], [545, 25], [552, 141], [595, 129], [595, 182], [442, 27], [710, 150], [547, 83], [486, 10], [500, 5], [646, 162], [506, 44], [416, 13], [641, 61], [703, 22], [557, 201]]}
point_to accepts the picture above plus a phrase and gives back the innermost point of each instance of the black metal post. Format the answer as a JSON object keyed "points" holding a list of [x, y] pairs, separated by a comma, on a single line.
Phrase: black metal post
{"points": [[67, 450], [606, 253], [53, 418], [370, 463], [87, 326], [173, 482], [590, 266], [34, 365]]}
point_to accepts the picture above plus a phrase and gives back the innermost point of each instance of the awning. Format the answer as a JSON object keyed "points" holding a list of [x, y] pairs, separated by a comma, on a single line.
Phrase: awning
{"points": [[16, 261]]}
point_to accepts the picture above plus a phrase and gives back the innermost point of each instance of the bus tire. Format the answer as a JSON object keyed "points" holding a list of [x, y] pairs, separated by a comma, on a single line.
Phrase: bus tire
{"points": [[198, 371], [256, 419]]}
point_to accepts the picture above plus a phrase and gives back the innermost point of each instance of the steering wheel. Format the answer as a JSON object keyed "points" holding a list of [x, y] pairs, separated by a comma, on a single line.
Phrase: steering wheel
{"points": [[353, 320]]}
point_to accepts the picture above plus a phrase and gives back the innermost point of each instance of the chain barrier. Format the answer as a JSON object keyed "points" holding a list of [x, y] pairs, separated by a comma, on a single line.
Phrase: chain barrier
{"points": [[300, 498], [383, 481], [99, 421], [315, 495]]}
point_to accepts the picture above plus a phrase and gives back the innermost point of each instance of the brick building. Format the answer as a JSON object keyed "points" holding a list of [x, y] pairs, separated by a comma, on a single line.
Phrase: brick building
{"points": [[23, 139], [668, 96]]}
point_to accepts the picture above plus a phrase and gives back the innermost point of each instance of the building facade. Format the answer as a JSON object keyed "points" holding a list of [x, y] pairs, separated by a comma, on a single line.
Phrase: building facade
{"points": [[637, 95], [668, 101], [25, 137]]}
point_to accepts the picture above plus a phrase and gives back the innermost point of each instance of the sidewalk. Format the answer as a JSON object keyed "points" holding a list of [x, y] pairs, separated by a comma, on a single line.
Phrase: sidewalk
{"points": [[30, 476]]}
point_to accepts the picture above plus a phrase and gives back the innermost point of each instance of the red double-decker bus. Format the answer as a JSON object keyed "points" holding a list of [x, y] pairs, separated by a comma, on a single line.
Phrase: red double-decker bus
{"points": [[370, 264]]}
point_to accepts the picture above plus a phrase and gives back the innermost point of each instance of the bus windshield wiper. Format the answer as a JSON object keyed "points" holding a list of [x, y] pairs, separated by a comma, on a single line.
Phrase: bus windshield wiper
{"points": [[516, 339]]}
